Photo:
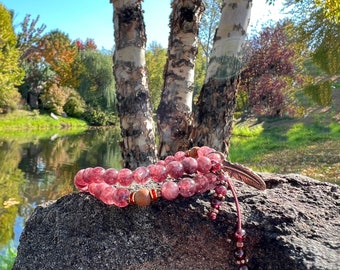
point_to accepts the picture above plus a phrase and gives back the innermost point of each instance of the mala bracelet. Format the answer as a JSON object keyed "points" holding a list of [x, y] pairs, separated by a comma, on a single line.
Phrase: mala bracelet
{"points": [[186, 173]]}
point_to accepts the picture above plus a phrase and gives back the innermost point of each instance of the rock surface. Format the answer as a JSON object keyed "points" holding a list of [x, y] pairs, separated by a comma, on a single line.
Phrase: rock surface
{"points": [[294, 224]]}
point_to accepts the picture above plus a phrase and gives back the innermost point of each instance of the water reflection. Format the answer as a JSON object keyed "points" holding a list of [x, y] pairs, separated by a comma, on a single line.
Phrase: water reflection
{"points": [[42, 170]]}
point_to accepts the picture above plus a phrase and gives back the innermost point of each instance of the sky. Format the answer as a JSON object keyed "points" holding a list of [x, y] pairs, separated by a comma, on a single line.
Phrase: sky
{"points": [[82, 19]]}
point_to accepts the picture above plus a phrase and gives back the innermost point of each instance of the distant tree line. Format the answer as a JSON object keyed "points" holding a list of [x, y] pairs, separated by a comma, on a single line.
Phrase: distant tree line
{"points": [[52, 73]]}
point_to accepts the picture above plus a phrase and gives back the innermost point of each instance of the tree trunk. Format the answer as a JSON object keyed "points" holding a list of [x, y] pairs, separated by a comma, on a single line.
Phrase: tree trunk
{"points": [[175, 109], [134, 106], [217, 101]]}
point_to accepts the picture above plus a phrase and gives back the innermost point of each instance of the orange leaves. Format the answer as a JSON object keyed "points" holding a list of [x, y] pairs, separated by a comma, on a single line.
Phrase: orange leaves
{"points": [[61, 55]]}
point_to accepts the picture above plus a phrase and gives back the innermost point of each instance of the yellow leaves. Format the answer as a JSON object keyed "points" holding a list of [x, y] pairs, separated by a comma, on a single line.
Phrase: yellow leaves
{"points": [[331, 9], [10, 202], [10, 73]]}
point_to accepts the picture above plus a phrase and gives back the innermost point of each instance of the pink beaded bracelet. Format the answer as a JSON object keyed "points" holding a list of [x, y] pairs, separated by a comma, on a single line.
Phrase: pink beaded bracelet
{"points": [[186, 173]]}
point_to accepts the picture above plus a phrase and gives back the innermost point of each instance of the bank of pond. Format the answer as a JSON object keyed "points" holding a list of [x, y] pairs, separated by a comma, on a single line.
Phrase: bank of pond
{"points": [[38, 166]]}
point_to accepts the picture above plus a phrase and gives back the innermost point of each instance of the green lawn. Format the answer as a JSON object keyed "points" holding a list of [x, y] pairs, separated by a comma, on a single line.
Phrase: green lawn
{"points": [[27, 125], [306, 146]]}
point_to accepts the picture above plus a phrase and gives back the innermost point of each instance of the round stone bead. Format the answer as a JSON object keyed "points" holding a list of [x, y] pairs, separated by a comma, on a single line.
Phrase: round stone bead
{"points": [[96, 189], [120, 197], [106, 196], [174, 169], [203, 164], [168, 159], [169, 190], [141, 175], [157, 172], [110, 176], [215, 157], [187, 187], [79, 182], [97, 174], [189, 165], [161, 162], [125, 177], [221, 190], [179, 155], [82, 188], [192, 152], [79, 178], [87, 175], [142, 197], [204, 151], [201, 183]]}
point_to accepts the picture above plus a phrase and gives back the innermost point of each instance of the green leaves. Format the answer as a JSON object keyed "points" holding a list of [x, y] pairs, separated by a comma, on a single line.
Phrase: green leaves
{"points": [[317, 25], [11, 74]]}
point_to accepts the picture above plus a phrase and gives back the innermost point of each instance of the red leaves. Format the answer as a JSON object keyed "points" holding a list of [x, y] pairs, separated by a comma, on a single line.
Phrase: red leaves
{"points": [[264, 79]]}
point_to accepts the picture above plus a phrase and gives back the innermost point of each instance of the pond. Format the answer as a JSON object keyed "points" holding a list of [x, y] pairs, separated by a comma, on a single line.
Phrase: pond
{"points": [[35, 172]]}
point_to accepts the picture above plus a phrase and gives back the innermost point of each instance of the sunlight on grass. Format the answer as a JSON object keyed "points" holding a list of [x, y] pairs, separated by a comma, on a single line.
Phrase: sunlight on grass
{"points": [[311, 149], [301, 134], [245, 131], [335, 130], [26, 126], [21, 120], [257, 142]]}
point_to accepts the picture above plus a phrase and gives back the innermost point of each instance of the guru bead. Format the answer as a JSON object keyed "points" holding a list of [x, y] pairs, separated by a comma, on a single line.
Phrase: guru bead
{"points": [[141, 197]]}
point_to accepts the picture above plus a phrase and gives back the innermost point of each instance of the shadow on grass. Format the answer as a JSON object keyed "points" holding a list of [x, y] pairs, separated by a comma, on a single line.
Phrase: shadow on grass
{"points": [[289, 146]]}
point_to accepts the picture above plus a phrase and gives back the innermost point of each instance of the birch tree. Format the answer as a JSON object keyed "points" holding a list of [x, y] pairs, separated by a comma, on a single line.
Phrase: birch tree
{"points": [[174, 111], [216, 104], [134, 106], [215, 108]]}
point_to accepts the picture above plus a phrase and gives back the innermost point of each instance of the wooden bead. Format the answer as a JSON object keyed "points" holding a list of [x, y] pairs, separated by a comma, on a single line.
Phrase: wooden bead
{"points": [[192, 152], [142, 197]]}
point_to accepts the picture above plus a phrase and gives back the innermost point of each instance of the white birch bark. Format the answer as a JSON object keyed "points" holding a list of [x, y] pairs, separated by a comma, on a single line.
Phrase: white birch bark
{"points": [[134, 106], [175, 109], [217, 101]]}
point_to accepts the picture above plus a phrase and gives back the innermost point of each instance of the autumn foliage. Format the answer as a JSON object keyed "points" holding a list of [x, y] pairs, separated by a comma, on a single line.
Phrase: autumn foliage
{"points": [[61, 54], [11, 73], [269, 74]]}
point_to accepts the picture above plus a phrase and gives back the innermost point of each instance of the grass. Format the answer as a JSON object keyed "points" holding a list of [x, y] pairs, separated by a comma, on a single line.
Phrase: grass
{"points": [[29, 125], [7, 259], [33, 120], [290, 146]]}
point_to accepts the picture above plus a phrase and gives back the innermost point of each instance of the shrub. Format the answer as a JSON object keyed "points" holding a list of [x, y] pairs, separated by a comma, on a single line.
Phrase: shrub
{"points": [[54, 98], [74, 106]]}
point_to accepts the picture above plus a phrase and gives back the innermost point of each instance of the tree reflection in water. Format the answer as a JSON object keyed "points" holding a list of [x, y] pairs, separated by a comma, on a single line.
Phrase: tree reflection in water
{"points": [[34, 172]]}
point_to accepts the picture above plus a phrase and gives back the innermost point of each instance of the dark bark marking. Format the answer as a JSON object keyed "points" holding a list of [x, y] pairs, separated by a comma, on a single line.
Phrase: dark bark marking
{"points": [[128, 15], [187, 14], [233, 5], [239, 28], [130, 18]]}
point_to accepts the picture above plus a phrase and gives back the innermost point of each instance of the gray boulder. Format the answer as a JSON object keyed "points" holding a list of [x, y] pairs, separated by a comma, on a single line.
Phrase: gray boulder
{"points": [[294, 224]]}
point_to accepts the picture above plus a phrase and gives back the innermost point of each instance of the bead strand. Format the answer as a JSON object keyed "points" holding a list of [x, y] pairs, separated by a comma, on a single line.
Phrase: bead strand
{"points": [[186, 173], [191, 170], [240, 255], [218, 196]]}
